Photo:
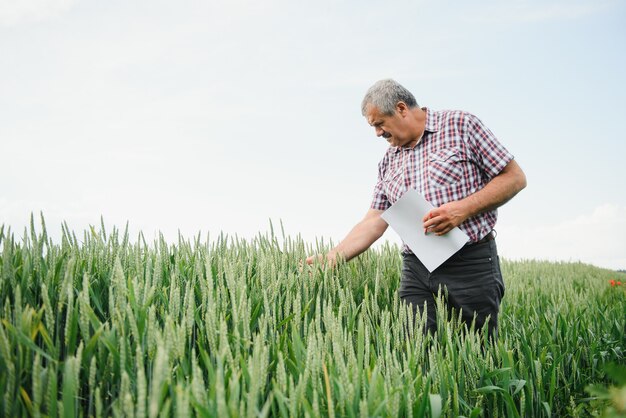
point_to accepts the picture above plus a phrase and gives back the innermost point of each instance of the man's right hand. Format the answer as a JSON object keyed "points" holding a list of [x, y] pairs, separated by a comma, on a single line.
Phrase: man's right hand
{"points": [[329, 259]]}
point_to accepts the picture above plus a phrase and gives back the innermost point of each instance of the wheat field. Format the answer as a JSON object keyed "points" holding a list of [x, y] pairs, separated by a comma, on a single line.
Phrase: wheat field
{"points": [[102, 324]]}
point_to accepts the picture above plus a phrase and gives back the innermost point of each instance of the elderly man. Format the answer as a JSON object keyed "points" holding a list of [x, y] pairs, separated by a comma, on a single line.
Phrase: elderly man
{"points": [[460, 167]]}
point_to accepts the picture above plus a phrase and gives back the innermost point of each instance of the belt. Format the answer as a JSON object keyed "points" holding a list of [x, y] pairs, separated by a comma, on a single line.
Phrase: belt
{"points": [[489, 237]]}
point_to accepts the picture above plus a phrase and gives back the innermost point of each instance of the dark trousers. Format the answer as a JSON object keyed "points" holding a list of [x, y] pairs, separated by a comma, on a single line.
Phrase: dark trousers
{"points": [[472, 279]]}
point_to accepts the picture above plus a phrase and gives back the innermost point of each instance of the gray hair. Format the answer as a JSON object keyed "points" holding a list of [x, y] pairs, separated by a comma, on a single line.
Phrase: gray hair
{"points": [[385, 95]]}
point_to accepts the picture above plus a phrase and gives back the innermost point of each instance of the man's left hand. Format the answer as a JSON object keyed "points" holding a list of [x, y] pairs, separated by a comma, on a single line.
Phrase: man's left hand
{"points": [[443, 219]]}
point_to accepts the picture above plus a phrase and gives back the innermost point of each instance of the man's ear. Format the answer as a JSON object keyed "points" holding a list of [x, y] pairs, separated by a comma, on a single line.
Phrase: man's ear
{"points": [[402, 108]]}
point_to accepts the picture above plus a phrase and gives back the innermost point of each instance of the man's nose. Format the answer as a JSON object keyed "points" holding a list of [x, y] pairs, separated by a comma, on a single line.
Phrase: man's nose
{"points": [[379, 132]]}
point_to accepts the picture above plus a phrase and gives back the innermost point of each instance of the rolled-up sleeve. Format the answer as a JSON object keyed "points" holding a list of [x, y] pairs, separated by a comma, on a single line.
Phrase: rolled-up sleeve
{"points": [[379, 197], [488, 153]]}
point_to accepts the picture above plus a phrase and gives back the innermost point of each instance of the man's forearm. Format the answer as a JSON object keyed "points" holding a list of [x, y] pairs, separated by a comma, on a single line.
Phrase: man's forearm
{"points": [[497, 192], [360, 238]]}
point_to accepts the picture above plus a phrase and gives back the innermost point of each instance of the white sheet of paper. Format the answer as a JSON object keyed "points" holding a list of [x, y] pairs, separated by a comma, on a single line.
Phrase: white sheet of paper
{"points": [[405, 217]]}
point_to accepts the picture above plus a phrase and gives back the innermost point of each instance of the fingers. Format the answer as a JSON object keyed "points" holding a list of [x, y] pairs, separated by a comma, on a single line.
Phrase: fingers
{"points": [[439, 229], [443, 219], [324, 260], [443, 231], [431, 222], [306, 265], [311, 260], [437, 225], [430, 215]]}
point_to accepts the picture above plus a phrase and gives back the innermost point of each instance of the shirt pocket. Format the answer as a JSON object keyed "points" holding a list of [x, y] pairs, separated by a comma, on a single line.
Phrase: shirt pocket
{"points": [[393, 182], [445, 167]]}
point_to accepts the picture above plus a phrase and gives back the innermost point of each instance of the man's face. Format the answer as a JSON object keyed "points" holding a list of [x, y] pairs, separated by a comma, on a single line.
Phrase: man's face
{"points": [[391, 127]]}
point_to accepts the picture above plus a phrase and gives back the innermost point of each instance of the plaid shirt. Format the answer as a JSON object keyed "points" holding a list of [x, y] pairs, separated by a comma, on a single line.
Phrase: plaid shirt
{"points": [[455, 158]]}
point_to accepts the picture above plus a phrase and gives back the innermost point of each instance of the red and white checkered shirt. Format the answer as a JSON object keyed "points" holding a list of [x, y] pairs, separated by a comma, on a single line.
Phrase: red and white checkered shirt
{"points": [[455, 158]]}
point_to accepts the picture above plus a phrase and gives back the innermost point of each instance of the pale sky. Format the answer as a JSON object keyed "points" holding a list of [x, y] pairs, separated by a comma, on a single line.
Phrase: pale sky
{"points": [[209, 116]]}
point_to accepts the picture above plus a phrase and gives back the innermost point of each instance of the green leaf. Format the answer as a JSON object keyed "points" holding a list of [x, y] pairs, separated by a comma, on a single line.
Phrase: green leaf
{"points": [[25, 340], [518, 384], [70, 387], [490, 389], [435, 405], [476, 412], [26, 400]]}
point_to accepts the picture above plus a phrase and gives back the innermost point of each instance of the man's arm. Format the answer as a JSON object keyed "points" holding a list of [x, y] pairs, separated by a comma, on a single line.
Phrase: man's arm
{"points": [[497, 192], [359, 239]]}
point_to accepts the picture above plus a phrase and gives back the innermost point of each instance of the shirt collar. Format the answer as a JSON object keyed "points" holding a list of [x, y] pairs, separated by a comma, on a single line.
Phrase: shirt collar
{"points": [[432, 120], [431, 125]]}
